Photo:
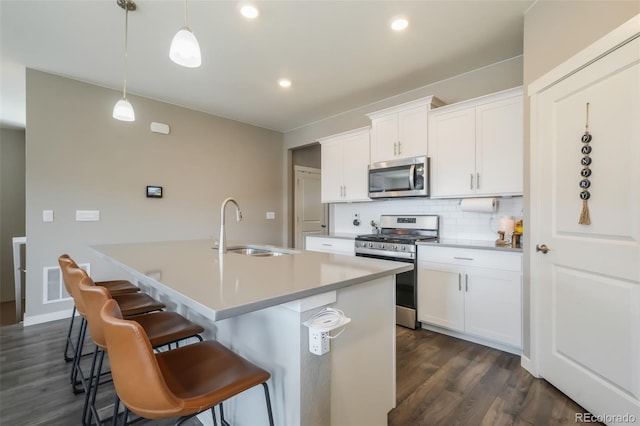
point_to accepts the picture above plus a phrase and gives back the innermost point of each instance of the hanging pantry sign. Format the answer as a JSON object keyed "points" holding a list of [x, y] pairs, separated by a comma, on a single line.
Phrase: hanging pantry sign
{"points": [[585, 183]]}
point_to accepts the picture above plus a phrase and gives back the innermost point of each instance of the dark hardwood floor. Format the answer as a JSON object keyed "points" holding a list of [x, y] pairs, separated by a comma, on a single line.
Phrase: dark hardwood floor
{"points": [[440, 381]]}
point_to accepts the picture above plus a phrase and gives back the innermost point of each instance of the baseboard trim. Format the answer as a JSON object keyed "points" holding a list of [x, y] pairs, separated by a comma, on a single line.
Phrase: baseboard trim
{"points": [[480, 341], [39, 319], [527, 364]]}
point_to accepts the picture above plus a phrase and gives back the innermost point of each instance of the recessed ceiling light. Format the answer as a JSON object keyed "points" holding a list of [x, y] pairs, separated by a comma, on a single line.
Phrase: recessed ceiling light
{"points": [[249, 11], [284, 82], [399, 24]]}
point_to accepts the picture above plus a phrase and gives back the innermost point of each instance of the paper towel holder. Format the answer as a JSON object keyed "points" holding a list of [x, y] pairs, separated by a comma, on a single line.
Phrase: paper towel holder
{"points": [[479, 205]]}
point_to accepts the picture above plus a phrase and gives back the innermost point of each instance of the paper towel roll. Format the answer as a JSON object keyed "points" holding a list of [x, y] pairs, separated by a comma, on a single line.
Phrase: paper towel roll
{"points": [[479, 205]]}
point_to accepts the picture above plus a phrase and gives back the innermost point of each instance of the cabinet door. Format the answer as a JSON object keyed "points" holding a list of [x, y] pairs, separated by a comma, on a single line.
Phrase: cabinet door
{"points": [[452, 151], [440, 296], [412, 132], [493, 305], [499, 162], [356, 161], [384, 138], [332, 172]]}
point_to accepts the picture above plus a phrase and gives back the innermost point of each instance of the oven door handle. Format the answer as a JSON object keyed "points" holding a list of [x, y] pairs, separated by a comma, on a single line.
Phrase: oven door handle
{"points": [[407, 257], [412, 174]]}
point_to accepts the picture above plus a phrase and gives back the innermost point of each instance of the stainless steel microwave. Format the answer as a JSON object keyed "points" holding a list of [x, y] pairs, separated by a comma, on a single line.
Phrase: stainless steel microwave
{"points": [[399, 178]]}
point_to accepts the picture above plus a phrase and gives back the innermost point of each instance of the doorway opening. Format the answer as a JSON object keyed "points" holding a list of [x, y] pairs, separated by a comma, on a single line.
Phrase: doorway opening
{"points": [[310, 216]]}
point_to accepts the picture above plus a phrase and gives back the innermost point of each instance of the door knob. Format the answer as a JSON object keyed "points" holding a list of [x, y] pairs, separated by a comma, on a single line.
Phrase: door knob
{"points": [[543, 248]]}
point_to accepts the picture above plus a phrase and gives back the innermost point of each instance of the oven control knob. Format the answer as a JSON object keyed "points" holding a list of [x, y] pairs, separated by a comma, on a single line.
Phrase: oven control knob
{"points": [[404, 248], [370, 245], [381, 245], [395, 247]]}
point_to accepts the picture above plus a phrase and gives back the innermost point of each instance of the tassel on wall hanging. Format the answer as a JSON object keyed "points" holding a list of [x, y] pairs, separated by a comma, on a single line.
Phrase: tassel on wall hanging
{"points": [[585, 218]]}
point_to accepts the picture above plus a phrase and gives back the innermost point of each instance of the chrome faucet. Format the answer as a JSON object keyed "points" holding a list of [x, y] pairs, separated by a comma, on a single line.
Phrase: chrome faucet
{"points": [[222, 244]]}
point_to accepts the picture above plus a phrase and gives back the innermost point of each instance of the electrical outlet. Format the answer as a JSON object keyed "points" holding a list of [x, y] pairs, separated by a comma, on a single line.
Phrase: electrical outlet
{"points": [[319, 343]]}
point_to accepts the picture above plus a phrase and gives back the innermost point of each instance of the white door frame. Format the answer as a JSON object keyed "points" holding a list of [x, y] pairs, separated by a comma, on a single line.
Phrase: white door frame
{"points": [[592, 53], [295, 202]]}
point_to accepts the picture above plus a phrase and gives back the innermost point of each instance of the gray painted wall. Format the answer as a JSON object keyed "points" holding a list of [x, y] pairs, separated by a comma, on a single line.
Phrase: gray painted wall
{"points": [[80, 158], [12, 204], [553, 32]]}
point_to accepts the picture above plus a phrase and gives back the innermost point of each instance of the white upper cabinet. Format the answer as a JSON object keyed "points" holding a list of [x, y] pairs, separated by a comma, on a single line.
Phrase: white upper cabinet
{"points": [[476, 146], [345, 161], [401, 131]]}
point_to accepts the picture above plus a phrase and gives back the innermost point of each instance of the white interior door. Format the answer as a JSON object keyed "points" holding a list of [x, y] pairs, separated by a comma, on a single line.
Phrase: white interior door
{"points": [[586, 288], [310, 214]]}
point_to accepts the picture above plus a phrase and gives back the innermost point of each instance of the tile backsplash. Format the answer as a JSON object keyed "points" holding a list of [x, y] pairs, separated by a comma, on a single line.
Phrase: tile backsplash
{"points": [[454, 223]]}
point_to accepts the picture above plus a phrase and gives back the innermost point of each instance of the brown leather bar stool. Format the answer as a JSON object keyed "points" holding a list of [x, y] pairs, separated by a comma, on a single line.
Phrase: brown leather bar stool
{"points": [[181, 382], [115, 287], [134, 304], [162, 328]]}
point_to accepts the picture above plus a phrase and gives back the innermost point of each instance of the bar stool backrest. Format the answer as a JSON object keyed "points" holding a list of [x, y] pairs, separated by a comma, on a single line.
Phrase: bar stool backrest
{"points": [[64, 261], [72, 274], [93, 298], [136, 374]]}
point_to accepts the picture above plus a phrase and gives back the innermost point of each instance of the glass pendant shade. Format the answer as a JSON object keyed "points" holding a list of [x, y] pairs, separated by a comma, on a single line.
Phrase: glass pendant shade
{"points": [[185, 49], [123, 111]]}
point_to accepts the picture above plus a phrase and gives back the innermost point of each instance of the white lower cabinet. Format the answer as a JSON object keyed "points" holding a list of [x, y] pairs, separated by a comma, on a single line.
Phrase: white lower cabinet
{"points": [[470, 291], [327, 244]]}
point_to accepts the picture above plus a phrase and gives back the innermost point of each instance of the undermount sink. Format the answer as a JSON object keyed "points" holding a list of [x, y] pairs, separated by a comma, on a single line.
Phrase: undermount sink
{"points": [[258, 251]]}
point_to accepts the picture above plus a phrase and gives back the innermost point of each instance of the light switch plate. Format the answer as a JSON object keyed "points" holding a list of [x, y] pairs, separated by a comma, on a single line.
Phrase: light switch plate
{"points": [[87, 215], [47, 215], [271, 215]]}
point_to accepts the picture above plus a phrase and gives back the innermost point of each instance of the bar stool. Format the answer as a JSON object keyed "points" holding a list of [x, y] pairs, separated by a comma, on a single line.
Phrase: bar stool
{"points": [[181, 382], [115, 287], [134, 304], [162, 328]]}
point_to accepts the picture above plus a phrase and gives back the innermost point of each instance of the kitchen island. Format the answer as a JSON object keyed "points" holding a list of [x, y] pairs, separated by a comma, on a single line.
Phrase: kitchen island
{"points": [[256, 306]]}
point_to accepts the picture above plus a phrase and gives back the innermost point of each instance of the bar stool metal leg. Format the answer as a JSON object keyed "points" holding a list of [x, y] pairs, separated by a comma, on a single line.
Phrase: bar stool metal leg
{"points": [[89, 410], [75, 370], [68, 343]]}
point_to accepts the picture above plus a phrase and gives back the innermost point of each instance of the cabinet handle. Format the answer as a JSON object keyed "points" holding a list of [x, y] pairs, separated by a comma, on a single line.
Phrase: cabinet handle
{"points": [[463, 258], [459, 282], [327, 244], [466, 282], [399, 148], [345, 190], [471, 181], [395, 149], [477, 180]]}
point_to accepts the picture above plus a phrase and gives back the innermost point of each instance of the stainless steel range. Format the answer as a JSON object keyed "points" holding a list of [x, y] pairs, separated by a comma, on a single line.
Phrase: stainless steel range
{"points": [[397, 241]]}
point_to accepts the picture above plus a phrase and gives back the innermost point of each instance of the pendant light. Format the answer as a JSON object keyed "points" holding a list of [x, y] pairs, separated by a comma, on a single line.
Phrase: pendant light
{"points": [[123, 110], [185, 49]]}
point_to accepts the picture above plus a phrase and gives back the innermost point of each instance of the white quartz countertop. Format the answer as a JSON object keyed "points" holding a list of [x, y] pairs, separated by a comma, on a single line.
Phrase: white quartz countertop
{"points": [[464, 243], [220, 287]]}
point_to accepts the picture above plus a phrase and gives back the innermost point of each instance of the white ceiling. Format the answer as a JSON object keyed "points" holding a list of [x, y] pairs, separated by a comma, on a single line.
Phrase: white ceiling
{"points": [[339, 54]]}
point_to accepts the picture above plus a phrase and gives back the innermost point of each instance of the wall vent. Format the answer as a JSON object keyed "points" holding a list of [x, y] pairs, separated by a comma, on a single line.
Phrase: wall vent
{"points": [[53, 285]]}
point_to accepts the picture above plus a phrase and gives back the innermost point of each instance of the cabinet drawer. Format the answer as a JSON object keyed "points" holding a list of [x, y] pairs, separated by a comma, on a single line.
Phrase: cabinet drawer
{"points": [[330, 245], [508, 261]]}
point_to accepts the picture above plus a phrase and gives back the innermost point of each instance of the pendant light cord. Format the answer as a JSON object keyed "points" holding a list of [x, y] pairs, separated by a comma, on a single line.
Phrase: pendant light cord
{"points": [[126, 40], [186, 14]]}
